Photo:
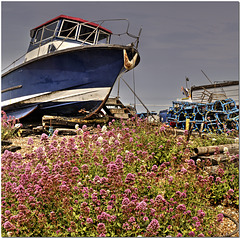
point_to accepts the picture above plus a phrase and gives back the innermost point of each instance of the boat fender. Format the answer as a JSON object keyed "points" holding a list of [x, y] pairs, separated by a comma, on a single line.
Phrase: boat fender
{"points": [[127, 63]]}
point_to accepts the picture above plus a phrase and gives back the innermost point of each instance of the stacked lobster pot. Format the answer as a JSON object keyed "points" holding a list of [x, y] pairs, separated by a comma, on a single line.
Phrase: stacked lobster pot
{"points": [[220, 116]]}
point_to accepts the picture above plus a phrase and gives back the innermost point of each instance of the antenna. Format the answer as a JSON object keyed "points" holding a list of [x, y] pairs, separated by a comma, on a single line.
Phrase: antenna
{"points": [[187, 80], [214, 84], [134, 89], [118, 88], [207, 77], [139, 99]]}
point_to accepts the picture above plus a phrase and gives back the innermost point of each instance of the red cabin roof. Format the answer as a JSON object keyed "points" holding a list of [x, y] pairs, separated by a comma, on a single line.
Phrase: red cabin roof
{"points": [[74, 19]]}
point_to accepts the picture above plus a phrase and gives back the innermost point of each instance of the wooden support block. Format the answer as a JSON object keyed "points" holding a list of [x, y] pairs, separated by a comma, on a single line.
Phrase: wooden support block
{"points": [[58, 121]]}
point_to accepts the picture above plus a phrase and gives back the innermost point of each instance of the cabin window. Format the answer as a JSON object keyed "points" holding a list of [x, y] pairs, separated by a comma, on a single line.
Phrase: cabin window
{"points": [[103, 37], [87, 33], [38, 35], [68, 29], [45, 32], [49, 30]]}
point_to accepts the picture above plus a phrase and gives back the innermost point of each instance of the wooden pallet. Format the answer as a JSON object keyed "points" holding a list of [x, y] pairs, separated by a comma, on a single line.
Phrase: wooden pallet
{"points": [[58, 121], [116, 109]]}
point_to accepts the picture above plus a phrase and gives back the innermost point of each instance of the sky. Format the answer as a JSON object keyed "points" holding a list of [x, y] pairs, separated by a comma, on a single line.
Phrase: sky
{"points": [[178, 40]]}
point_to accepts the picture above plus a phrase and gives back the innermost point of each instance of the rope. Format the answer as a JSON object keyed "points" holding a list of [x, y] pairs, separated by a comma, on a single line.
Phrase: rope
{"points": [[67, 36], [14, 62], [233, 220], [95, 30]]}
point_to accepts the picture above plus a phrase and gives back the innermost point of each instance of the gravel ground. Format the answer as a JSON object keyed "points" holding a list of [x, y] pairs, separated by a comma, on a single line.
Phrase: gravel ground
{"points": [[226, 227]]}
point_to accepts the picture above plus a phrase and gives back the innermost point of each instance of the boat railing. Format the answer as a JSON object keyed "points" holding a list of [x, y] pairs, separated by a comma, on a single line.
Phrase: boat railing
{"points": [[101, 22], [118, 37], [126, 32]]}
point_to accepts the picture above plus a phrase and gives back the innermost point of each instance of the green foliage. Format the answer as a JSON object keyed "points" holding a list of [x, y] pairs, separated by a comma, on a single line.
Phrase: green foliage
{"points": [[219, 193], [126, 180], [211, 140]]}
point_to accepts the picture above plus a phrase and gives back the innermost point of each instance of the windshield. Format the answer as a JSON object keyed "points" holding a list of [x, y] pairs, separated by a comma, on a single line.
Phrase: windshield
{"points": [[68, 29], [87, 33], [45, 32], [103, 37]]}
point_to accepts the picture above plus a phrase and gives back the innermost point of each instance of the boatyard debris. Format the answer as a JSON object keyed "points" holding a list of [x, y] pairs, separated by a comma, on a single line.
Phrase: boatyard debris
{"points": [[221, 116]]}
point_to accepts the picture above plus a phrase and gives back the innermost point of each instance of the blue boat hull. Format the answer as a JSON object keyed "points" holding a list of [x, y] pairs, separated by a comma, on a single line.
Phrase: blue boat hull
{"points": [[63, 83]]}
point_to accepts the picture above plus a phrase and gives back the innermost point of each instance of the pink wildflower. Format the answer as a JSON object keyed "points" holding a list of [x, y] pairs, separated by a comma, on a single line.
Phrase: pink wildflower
{"points": [[89, 220], [154, 168], [131, 220], [112, 170], [105, 160], [30, 141], [8, 226], [183, 170], [201, 214], [181, 207], [183, 195], [198, 224], [145, 219], [7, 212], [130, 178], [220, 217], [170, 179], [153, 227], [195, 218], [101, 229], [162, 129], [44, 137], [128, 191], [112, 218], [84, 127], [191, 233], [125, 201], [126, 226], [113, 197], [191, 163], [75, 171], [220, 172], [84, 168], [159, 199], [142, 206]]}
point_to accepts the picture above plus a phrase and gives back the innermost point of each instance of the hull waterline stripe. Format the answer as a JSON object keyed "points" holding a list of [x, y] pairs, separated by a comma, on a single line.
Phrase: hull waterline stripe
{"points": [[88, 94], [20, 99]]}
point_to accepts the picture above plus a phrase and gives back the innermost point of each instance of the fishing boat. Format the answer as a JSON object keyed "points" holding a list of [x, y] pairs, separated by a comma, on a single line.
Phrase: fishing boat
{"points": [[69, 69], [216, 91]]}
